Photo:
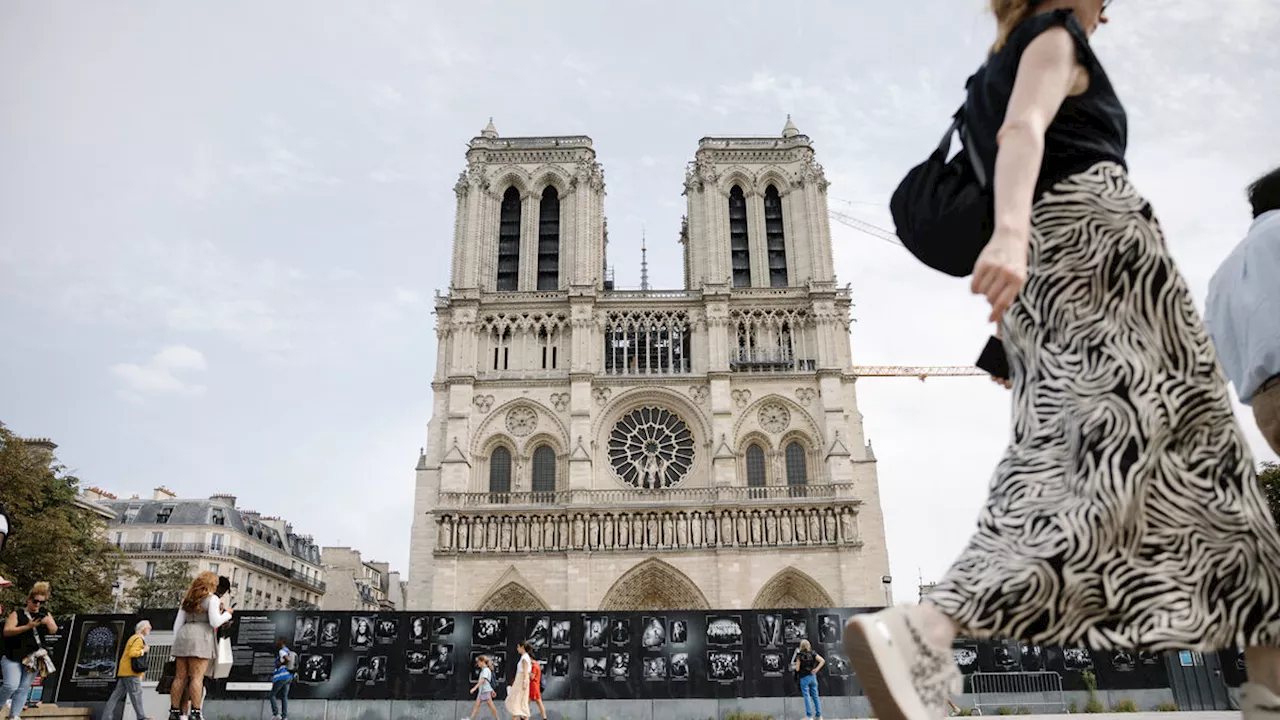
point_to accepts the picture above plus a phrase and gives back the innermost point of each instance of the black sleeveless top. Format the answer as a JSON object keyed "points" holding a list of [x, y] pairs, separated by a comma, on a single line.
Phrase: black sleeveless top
{"points": [[19, 646], [1089, 128]]}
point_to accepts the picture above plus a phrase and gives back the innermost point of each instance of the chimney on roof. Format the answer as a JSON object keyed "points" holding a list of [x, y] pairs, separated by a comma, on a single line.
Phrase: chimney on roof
{"points": [[95, 494], [43, 447], [223, 499], [163, 493]]}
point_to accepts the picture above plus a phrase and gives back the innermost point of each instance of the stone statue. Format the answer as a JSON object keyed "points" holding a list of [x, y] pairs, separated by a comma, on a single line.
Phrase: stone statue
{"points": [[637, 530], [624, 531], [668, 530], [695, 530], [770, 527], [608, 531], [562, 532], [506, 534], [522, 532], [682, 530], [593, 532], [726, 529], [756, 529], [579, 531], [445, 540], [815, 528], [784, 528], [848, 532], [653, 538], [829, 525], [802, 530], [741, 526]]}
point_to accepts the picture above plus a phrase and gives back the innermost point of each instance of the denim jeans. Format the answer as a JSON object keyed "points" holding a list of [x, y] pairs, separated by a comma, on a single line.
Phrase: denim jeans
{"points": [[17, 685], [132, 686], [809, 689], [280, 688]]}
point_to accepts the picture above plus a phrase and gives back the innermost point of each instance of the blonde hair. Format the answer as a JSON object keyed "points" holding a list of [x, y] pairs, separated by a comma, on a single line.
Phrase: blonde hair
{"points": [[805, 646], [40, 588], [1008, 14], [201, 588]]}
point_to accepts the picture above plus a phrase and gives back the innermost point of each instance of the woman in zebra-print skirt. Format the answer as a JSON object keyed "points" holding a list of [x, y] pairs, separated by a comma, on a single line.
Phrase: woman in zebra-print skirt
{"points": [[1126, 512]]}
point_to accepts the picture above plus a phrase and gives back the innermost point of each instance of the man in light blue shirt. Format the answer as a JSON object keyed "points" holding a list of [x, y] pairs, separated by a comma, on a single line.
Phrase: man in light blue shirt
{"points": [[1243, 310]]}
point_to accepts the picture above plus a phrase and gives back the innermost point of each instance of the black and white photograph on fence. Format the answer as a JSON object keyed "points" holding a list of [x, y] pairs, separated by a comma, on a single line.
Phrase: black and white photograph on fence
{"points": [[489, 631], [559, 665], [442, 626], [966, 658], [794, 630], [1077, 658], [316, 669], [418, 630], [838, 665], [619, 666], [619, 631], [655, 668], [771, 664], [1147, 657], [1006, 655], [371, 670], [593, 667], [725, 630], [329, 630], [654, 635], [537, 632], [828, 629], [387, 630], [560, 631], [724, 665], [99, 648], [379, 667], [679, 632], [441, 663], [1032, 658], [1122, 661], [306, 632], [768, 630], [361, 632], [593, 631], [679, 666], [415, 662], [497, 662]]}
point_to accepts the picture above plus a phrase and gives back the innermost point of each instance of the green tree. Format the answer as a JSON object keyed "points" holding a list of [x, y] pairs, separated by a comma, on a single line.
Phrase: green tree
{"points": [[162, 590], [1269, 477], [52, 537]]}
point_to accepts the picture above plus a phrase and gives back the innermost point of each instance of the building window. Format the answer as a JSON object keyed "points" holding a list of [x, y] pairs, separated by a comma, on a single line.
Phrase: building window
{"points": [[797, 470], [213, 568], [544, 474], [500, 471], [150, 571], [775, 239], [157, 540], [549, 240], [739, 246], [163, 516], [119, 539], [509, 241], [131, 514], [219, 516], [218, 542], [755, 471]]}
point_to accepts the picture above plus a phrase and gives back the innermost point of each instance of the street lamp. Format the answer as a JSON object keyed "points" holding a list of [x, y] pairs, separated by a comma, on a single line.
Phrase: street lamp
{"points": [[888, 592], [115, 596]]}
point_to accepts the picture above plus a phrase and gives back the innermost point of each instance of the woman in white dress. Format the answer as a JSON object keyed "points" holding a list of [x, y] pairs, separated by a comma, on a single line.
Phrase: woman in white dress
{"points": [[518, 693]]}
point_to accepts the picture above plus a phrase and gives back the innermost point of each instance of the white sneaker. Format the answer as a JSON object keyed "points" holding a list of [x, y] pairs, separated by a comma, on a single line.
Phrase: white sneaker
{"points": [[904, 676], [1257, 702]]}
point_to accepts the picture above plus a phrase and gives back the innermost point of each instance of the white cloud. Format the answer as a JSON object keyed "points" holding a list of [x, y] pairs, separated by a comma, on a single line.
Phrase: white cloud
{"points": [[157, 375], [573, 63]]}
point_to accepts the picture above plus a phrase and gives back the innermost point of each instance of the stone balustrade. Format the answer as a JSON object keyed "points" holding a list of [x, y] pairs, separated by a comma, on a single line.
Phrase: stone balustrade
{"points": [[820, 489]]}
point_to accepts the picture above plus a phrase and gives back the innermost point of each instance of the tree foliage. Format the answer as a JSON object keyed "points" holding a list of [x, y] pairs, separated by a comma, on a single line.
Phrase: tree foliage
{"points": [[164, 589], [1269, 478], [51, 537]]}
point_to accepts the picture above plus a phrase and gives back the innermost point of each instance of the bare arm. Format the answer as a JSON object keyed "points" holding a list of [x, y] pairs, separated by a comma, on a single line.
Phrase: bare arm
{"points": [[11, 626], [49, 624], [821, 661], [1047, 73]]}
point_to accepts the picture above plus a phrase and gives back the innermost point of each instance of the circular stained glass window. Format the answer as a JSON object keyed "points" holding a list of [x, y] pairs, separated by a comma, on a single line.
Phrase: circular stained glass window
{"points": [[651, 448]]}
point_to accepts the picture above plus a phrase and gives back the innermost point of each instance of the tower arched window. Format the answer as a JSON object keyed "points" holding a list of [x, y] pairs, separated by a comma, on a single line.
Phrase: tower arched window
{"points": [[739, 245], [509, 241], [549, 240], [500, 471], [775, 238], [797, 468], [755, 471], [544, 474]]}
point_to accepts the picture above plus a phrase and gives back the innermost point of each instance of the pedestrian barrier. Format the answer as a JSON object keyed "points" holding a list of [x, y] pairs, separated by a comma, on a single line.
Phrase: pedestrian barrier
{"points": [[1038, 690]]}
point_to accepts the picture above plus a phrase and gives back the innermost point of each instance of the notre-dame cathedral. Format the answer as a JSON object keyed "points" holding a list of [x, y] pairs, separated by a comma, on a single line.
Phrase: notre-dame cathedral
{"points": [[597, 448]]}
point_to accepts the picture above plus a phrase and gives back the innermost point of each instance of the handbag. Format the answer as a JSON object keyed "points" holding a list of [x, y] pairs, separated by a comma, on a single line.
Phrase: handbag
{"points": [[139, 664], [943, 210], [223, 660], [167, 673]]}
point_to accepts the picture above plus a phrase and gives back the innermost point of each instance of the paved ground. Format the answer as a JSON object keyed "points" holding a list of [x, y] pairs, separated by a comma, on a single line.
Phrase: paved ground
{"points": [[1131, 716]]}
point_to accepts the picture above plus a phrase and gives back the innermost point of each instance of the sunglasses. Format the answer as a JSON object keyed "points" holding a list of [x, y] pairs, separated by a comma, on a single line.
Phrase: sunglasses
{"points": [[40, 602]]}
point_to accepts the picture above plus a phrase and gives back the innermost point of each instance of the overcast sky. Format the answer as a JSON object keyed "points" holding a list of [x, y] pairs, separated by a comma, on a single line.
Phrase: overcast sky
{"points": [[222, 224]]}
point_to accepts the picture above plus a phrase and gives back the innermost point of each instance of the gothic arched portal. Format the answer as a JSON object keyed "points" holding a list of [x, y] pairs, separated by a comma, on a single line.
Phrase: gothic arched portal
{"points": [[792, 589], [654, 585], [511, 597]]}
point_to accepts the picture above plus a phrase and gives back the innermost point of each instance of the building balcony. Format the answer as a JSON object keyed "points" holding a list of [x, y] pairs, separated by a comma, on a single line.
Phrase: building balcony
{"points": [[634, 497], [222, 551], [778, 360]]}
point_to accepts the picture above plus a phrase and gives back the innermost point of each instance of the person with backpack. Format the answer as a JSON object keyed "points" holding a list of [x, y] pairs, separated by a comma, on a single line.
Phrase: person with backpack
{"points": [[806, 663], [281, 679], [129, 673], [535, 681], [1126, 512], [483, 688]]}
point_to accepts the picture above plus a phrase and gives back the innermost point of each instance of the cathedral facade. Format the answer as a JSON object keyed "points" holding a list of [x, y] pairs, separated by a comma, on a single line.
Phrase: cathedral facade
{"points": [[595, 448]]}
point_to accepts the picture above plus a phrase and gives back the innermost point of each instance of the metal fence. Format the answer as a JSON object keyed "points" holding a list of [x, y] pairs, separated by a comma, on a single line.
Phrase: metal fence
{"points": [[1038, 690]]}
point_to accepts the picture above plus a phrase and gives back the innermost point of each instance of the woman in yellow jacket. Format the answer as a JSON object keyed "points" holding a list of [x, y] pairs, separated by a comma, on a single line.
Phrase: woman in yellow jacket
{"points": [[128, 680]]}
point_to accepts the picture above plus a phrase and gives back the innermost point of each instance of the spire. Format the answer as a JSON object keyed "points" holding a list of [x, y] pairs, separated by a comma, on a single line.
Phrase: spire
{"points": [[789, 130], [489, 130], [644, 262]]}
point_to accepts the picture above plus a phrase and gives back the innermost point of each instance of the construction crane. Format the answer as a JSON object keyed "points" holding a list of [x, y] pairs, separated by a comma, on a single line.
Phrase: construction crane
{"points": [[916, 371]]}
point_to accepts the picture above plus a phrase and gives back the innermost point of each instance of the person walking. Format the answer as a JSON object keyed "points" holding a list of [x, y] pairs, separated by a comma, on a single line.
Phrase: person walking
{"points": [[1126, 511], [281, 679], [535, 683], [1243, 310], [194, 644], [128, 680], [24, 633], [483, 689], [518, 693], [806, 663]]}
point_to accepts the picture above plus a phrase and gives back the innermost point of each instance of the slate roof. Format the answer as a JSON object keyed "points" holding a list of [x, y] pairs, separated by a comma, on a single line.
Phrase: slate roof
{"points": [[185, 511]]}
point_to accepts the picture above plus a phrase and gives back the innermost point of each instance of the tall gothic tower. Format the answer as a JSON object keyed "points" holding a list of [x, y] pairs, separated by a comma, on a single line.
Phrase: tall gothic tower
{"points": [[623, 450]]}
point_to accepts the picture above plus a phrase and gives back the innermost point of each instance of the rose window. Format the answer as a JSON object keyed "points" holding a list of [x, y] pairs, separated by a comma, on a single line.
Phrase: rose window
{"points": [[651, 448]]}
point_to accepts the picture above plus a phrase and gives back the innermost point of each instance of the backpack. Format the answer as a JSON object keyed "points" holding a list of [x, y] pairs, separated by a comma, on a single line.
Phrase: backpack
{"points": [[943, 210], [291, 664]]}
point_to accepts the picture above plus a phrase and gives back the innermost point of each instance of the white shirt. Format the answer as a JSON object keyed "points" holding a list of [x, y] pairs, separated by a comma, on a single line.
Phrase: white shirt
{"points": [[1242, 311], [213, 606], [525, 665]]}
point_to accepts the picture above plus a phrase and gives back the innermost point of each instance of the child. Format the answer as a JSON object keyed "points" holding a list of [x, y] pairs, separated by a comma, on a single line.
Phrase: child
{"points": [[484, 688], [535, 683]]}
